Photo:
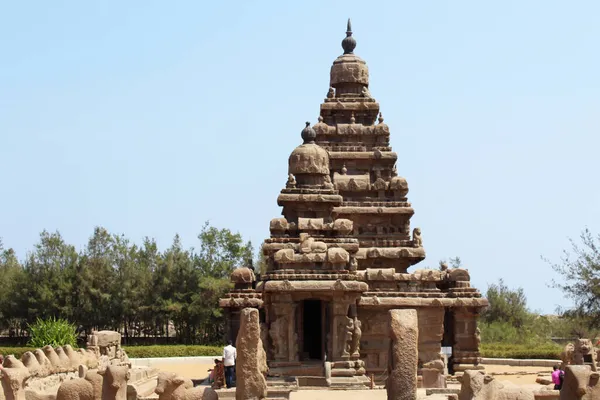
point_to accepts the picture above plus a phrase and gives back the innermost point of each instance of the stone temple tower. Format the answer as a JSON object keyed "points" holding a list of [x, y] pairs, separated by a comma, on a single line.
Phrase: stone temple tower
{"points": [[338, 259]]}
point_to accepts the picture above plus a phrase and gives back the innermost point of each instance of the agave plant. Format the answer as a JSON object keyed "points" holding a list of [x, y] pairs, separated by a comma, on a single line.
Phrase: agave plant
{"points": [[53, 332]]}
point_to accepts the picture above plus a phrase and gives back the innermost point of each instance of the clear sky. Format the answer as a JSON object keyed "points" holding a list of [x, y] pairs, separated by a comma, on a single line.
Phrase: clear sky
{"points": [[151, 117]]}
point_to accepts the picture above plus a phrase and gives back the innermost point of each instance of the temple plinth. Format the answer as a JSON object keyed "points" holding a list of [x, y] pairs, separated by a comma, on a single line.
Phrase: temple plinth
{"points": [[338, 259]]}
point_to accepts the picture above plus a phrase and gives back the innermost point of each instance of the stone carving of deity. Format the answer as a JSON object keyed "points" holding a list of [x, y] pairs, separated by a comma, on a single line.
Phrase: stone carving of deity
{"points": [[345, 337], [278, 333], [356, 334], [417, 239]]}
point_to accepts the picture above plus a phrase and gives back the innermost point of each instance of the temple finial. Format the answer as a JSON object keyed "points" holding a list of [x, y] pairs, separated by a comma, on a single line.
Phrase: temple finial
{"points": [[349, 43], [308, 134]]}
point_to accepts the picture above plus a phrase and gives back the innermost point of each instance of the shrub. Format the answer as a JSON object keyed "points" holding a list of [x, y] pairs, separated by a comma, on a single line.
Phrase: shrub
{"points": [[16, 351], [53, 332], [520, 351], [172, 351]]}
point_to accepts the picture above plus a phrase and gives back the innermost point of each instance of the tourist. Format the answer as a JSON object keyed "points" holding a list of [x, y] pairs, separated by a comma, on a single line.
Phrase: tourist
{"points": [[217, 375], [557, 377], [229, 356]]}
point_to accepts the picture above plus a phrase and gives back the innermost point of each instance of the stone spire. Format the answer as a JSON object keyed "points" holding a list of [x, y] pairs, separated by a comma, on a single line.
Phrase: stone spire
{"points": [[349, 43]]}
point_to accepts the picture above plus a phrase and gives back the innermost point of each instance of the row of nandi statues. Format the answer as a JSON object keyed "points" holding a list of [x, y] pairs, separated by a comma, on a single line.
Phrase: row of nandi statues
{"points": [[59, 372]]}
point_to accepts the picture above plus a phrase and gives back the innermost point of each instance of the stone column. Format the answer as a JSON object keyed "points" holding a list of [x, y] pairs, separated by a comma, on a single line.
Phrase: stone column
{"points": [[402, 371], [281, 330], [431, 332], [338, 333], [465, 354]]}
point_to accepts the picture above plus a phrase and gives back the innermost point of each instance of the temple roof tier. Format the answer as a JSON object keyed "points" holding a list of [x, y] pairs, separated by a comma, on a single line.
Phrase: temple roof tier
{"points": [[406, 302], [315, 286]]}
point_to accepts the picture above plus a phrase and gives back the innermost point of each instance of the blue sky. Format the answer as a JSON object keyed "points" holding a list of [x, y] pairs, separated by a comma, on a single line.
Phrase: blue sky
{"points": [[151, 117]]}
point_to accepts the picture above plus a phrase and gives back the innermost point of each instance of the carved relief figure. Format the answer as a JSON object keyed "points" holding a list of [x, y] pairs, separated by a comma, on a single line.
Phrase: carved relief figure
{"points": [[478, 337], [365, 92], [575, 354], [278, 333], [291, 182], [309, 245], [356, 334], [331, 93], [353, 264], [328, 184], [417, 239], [346, 330]]}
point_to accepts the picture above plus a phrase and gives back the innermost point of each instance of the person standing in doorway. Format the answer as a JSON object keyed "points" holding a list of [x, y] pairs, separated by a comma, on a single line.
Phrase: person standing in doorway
{"points": [[229, 356]]}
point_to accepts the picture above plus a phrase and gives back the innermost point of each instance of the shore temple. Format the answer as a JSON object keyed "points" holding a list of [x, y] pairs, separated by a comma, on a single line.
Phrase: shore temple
{"points": [[343, 253]]}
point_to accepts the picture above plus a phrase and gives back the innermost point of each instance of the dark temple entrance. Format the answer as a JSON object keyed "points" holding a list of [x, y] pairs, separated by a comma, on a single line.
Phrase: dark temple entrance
{"points": [[312, 322]]}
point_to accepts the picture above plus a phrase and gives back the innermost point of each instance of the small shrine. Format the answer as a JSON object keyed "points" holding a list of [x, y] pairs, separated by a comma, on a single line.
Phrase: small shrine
{"points": [[338, 259]]}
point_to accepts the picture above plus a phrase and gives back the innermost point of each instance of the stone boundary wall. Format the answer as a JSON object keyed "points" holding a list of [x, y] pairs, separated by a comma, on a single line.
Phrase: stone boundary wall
{"points": [[515, 362], [157, 361]]}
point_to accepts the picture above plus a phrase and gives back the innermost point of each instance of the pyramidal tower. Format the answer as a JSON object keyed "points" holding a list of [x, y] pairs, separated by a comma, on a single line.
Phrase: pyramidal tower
{"points": [[338, 259]]}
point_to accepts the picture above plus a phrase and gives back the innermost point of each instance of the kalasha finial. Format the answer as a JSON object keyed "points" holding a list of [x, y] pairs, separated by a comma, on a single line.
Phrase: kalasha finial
{"points": [[320, 118], [380, 118], [344, 169], [352, 119], [308, 134], [349, 43]]}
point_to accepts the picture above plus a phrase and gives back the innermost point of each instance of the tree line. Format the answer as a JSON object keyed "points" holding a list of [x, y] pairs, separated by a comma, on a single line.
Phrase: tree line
{"points": [[116, 284]]}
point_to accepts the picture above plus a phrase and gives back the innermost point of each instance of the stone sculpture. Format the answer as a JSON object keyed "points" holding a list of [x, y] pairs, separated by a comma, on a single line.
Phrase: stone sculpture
{"points": [[278, 333], [173, 387], [54, 359], [291, 182], [346, 331], [356, 334], [579, 353], [580, 382], [114, 385], [365, 92], [309, 245], [402, 370], [251, 363], [417, 239], [476, 385], [331, 93], [46, 367], [13, 376]]}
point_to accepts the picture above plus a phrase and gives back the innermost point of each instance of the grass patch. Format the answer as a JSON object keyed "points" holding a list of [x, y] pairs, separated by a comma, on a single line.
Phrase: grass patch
{"points": [[521, 351]]}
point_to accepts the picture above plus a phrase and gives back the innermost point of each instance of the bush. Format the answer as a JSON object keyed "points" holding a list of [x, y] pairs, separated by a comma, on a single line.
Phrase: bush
{"points": [[53, 332], [172, 351], [520, 351]]}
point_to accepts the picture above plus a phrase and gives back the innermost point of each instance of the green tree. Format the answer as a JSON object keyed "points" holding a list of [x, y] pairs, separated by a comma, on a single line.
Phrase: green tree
{"points": [[12, 277], [579, 272], [506, 305]]}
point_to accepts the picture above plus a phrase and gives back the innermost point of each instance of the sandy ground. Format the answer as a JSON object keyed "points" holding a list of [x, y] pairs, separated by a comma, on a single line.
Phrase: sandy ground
{"points": [[192, 371]]}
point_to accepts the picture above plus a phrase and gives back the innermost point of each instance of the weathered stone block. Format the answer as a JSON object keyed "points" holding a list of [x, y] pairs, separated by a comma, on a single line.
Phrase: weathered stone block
{"points": [[402, 370], [251, 358]]}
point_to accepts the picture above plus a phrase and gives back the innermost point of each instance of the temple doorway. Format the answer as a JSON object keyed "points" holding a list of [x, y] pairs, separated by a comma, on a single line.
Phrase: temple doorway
{"points": [[312, 323], [448, 338]]}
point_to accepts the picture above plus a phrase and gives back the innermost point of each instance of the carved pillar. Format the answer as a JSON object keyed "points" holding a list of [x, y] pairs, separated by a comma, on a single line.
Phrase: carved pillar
{"points": [[465, 354], [281, 330], [338, 331], [431, 331]]}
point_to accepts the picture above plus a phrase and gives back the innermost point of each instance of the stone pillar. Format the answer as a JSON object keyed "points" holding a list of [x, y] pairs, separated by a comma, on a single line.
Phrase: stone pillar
{"points": [[281, 331], [402, 371], [338, 331], [465, 354], [251, 358], [431, 332]]}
